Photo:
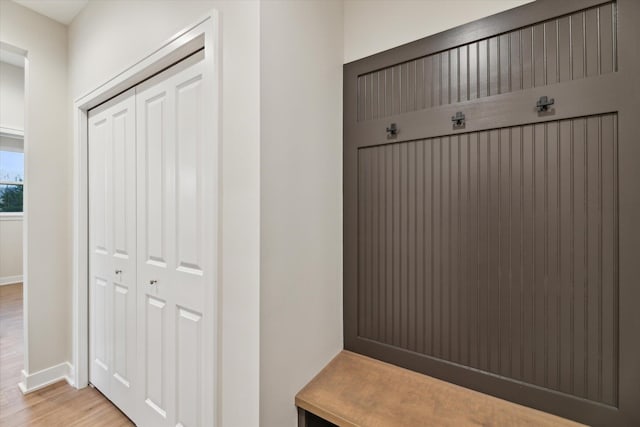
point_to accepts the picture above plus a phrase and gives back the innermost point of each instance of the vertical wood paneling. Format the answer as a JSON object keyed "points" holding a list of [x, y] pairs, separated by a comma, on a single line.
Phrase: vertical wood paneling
{"points": [[539, 55], [593, 256], [454, 248], [566, 48], [579, 241], [553, 243], [403, 225], [578, 45], [436, 295], [497, 250], [493, 72], [592, 41], [504, 248], [463, 73], [493, 251], [411, 86], [367, 237], [527, 243], [527, 60], [515, 61], [388, 92], [552, 70], [567, 244], [411, 249], [420, 242], [514, 341], [362, 159], [605, 38], [484, 73], [474, 249], [428, 82], [472, 70], [504, 63], [395, 239], [463, 250]]}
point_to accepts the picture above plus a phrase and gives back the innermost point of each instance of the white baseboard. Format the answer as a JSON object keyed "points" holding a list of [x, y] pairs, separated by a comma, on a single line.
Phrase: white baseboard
{"points": [[10, 280], [45, 377]]}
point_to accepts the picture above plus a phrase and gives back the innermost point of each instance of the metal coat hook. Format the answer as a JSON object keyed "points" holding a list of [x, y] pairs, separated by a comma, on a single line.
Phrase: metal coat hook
{"points": [[544, 103], [392, 130], [458, 120]]}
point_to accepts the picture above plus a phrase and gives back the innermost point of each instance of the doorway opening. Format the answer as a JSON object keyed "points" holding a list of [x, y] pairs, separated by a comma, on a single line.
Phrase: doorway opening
{"points": [[12, 218]]}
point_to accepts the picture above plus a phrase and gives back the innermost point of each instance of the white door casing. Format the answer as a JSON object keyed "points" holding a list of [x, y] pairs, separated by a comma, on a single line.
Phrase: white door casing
{"points": [[112, 243], [177, 235]]}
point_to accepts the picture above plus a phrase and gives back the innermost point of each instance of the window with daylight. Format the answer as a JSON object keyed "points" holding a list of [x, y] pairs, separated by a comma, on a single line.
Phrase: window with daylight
{"points": [[11, 180]]}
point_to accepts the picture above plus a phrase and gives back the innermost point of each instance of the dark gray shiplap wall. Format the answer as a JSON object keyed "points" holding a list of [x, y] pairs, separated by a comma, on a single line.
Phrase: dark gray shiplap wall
{"points": [[571, 47], [497, 250]]}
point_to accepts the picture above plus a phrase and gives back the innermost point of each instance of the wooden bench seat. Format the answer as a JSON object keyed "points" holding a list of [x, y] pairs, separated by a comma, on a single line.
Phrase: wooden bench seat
{"points": [[355, 390]]}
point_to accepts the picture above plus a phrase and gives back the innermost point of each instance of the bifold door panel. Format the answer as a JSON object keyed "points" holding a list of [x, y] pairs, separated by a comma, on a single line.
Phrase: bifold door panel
{"points": [[500, 251], [152, 237], [174, 219], [112, 284]]}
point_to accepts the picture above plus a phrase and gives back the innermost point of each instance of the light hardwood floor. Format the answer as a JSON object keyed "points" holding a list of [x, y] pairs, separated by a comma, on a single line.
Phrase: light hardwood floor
{"points": [[58, 405]]}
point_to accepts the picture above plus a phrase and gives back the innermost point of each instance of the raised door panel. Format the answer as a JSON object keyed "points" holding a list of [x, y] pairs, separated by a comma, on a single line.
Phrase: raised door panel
{"points": [[99, 366], [155, 362], [189, 371], [121, 343], [188, 176], [98, 150], [155, 139], [123, 229]]}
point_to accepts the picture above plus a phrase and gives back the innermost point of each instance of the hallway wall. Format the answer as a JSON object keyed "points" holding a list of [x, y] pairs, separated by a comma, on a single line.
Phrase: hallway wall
{"points": [[47, 265], [109, 36], [301, 203]]}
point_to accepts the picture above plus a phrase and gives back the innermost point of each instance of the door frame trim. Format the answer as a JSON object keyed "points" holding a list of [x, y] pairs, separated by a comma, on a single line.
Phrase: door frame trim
{"points": [[203, 34]]}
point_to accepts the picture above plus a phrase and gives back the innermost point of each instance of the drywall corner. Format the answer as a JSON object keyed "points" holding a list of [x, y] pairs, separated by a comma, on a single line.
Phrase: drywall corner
{"points": [[301, 199]]}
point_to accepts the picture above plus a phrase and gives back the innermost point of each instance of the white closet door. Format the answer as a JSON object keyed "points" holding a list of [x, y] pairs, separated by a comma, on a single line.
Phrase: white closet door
{"points": [[112, 242], [177, 169]]}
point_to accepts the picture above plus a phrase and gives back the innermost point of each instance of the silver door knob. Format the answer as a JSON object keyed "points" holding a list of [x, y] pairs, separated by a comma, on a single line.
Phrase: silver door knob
{"points": [[153, 282]]}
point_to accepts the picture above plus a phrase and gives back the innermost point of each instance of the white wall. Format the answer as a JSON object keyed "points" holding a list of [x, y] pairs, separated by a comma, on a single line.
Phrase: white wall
{"points": [[48, 176], [371, 26], [109, 36], [10, 249], [11, 96], [11, 116], [301, 199]]}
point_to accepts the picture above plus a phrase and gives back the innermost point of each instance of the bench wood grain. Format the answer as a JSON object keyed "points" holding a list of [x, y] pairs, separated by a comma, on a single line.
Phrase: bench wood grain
{"points": [[355, 390]]}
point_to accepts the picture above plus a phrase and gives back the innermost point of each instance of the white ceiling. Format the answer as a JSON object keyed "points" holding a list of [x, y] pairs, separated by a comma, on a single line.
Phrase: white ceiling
{"points": [[62, 11]]}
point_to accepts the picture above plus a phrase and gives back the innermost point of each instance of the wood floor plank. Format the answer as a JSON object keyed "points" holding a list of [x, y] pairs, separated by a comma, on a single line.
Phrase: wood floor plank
{"points": [[58, 405]]}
